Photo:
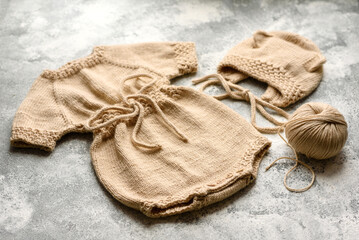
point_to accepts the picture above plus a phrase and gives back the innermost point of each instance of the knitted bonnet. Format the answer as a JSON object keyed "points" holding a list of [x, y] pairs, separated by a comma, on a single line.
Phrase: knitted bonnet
{"points": [[290, 64]]}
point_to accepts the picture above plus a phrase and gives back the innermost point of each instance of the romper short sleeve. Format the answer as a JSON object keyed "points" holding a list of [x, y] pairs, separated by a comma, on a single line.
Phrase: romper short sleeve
{"points": [[39, 122]]}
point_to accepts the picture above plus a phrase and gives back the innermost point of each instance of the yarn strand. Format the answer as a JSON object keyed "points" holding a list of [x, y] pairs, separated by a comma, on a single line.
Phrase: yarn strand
{"points": [[297, 161]]}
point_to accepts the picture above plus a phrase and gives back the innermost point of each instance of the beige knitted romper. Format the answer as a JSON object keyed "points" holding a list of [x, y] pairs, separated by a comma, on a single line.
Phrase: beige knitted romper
{"points": [[158, 148]]}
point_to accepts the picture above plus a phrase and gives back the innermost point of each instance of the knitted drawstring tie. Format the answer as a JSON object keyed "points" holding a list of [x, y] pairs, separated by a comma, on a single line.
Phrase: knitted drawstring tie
{"points": [[237, 92], [132, 109]]}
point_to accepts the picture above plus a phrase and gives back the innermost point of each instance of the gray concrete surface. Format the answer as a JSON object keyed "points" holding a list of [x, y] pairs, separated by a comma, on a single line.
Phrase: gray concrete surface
{"points": [[57, 195]]}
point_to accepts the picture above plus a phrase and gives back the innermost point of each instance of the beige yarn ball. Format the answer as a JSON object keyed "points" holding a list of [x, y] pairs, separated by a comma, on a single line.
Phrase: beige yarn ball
{"points": [[317, 130]]}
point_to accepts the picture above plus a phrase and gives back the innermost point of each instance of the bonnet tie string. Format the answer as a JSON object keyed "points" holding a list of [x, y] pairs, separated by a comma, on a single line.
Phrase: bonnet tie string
{"points": [[240, 93], [132, 109], [237, 92]]}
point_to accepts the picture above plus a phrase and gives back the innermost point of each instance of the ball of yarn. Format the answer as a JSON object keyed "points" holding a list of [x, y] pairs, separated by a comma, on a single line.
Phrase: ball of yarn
{"points": [[317, 130]]}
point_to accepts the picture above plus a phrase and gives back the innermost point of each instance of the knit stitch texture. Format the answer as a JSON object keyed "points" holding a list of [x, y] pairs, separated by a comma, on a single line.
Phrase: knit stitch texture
{"points": [[158, 148], [290, 64]]}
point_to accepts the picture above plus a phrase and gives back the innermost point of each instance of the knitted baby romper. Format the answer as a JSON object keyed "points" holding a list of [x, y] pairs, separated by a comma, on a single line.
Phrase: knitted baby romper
{"points": [[158, 148]]}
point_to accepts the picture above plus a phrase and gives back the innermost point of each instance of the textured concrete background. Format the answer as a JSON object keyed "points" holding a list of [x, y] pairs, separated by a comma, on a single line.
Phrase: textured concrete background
{"points": [[57, 195]]}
